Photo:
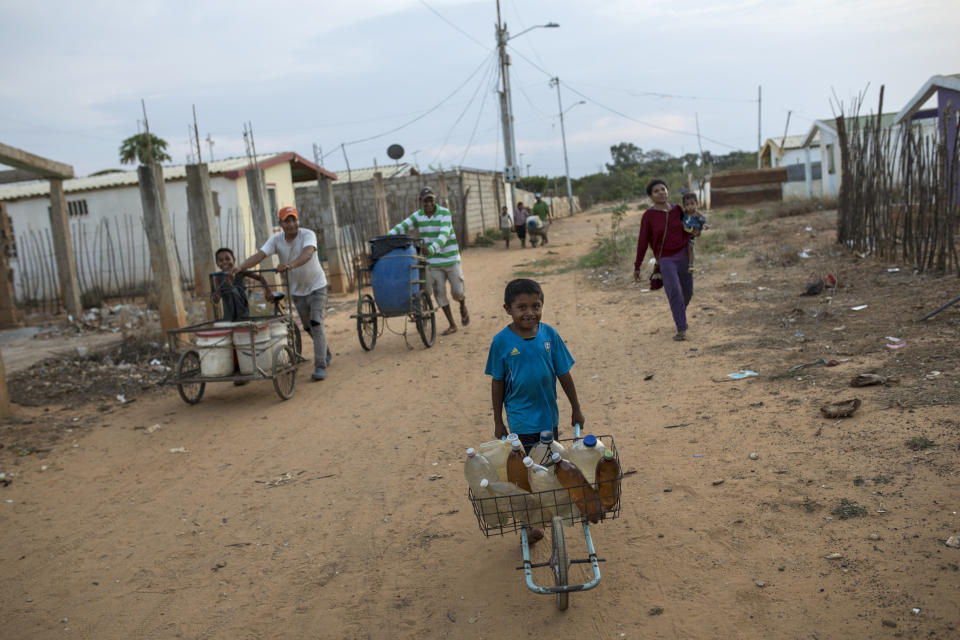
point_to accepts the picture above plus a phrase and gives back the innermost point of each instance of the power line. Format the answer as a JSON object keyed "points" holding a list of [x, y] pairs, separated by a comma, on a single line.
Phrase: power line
{"points": [[646, 124], [438, 14], [470, 102], [496, 77], [422, 115]]}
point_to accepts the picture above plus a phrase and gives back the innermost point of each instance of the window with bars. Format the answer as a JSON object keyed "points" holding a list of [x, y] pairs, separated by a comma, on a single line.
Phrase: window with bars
{"points": [[75, 208]]}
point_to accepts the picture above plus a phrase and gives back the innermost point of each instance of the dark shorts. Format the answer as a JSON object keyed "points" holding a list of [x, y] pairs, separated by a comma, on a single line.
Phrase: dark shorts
{"points": [[529, 440], [521, 232]]}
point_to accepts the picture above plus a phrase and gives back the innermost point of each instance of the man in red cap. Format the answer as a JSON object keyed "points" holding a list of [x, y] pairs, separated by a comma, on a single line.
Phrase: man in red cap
{"points": [[296, 250]]}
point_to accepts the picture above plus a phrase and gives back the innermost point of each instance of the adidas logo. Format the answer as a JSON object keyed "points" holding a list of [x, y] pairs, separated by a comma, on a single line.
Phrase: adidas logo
{"points": [[515, 352]]}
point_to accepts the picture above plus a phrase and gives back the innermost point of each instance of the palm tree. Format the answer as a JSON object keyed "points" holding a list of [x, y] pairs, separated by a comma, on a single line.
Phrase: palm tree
{"points": [[134, 149]]}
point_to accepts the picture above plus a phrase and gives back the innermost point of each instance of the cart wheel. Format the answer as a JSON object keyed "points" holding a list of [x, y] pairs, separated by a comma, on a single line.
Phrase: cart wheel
{"points": [[367, 322], [296, 342], [560, 562], [426, 320], [284, 371], [188, 366]]}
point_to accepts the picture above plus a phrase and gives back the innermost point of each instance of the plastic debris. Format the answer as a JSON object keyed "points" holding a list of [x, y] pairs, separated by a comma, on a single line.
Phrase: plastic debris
{"points": [[953, 542], [178, 450], [743, 373], [899, 345], [859, 307], [152, 428]]}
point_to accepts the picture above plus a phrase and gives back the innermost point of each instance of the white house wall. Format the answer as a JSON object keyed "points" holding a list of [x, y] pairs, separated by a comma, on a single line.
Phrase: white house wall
{"points": [[129, 265]]}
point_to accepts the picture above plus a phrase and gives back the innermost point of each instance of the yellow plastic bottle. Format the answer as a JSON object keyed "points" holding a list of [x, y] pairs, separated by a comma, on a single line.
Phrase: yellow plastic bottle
{"points": [[496, 452]]}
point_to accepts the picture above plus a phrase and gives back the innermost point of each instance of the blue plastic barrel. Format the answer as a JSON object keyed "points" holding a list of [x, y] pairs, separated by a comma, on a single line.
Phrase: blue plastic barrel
{"points": [[390, 276]]}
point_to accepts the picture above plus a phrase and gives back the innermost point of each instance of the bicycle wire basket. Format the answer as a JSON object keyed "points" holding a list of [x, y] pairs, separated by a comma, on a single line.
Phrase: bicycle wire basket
{"points": [[499, 515]]}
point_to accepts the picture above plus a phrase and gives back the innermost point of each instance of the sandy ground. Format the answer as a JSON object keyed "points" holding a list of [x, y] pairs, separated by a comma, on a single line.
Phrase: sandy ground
{"points": [[317, 517]]}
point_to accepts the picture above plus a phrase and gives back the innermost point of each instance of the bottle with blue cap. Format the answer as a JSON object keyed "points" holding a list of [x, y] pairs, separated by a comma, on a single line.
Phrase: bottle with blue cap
{"points": [[543, 450], [586, 453]]}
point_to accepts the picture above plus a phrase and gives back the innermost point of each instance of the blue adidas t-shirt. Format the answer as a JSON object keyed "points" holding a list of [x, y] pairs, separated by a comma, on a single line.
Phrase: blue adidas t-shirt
{"points": [[529, 369]]}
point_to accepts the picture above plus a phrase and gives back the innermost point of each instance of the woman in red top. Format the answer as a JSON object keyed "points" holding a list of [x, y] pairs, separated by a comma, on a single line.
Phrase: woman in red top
{"points": [[661, 228]]}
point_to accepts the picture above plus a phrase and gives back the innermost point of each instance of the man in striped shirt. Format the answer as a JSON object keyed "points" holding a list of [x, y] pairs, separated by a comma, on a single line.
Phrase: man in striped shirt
{"points": [[435, 226]]}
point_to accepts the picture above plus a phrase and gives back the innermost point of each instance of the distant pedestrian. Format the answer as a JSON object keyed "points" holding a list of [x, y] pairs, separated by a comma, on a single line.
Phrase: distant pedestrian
{"points": [[541, 209], [520, 222], [506, 224]]}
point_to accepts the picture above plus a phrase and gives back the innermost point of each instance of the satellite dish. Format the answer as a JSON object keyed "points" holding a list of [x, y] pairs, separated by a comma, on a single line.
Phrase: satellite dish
{"points": [[395, 151]]}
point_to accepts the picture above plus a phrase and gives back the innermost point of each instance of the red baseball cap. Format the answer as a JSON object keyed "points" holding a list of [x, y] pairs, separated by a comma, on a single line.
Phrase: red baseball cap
{"points": [[286, 212]]}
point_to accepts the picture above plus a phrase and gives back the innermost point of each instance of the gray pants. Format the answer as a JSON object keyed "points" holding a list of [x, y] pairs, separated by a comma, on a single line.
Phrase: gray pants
{"points": [[311, 308]]}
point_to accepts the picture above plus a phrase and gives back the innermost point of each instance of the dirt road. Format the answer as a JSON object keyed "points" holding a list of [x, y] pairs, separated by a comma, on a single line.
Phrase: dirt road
{"points": [[318, 518]]}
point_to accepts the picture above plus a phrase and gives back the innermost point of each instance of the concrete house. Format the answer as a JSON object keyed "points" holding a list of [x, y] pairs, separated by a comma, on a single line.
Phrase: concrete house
{"points": [[106, 220], [789, 152]]}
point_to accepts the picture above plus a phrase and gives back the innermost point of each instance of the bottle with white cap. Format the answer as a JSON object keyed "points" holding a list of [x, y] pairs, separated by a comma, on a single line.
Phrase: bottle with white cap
{"points": [[543, 450], [586, 453]]}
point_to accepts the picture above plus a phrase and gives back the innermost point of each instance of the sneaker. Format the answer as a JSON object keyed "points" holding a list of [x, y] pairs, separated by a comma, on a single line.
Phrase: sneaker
{"points": [[681, 335], [320, 374]]}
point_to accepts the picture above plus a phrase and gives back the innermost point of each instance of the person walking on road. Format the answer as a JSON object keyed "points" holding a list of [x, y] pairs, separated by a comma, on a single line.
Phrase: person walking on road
{"points": [[435, 226], [296, 250], [661, 229]]}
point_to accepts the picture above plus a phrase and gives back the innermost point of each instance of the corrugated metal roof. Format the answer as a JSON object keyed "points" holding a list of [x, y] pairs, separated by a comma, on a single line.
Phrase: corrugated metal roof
{"points": [[366, 173], [39, 188], [792, 142]]}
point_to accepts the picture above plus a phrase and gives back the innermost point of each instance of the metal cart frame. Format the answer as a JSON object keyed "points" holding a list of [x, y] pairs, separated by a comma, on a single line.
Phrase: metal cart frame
{"points": [[286, 359], [523, 518], [372, 321]]}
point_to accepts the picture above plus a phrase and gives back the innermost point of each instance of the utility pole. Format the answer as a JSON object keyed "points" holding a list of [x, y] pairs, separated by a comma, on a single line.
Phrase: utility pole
{"points": [[196, 134], [506, 111], [759, 141], [555, 81]]}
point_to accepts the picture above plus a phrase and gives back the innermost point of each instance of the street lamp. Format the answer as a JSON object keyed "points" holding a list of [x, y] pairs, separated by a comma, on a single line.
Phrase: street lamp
{"points": [[511, 172], [555, 82]]}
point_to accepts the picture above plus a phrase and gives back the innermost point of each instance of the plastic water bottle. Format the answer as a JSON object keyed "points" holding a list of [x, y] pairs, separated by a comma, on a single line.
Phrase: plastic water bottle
{"points": [[496, 452], [513, 502], [516, 470], [487, 502], [586, 453], [476, 468], [583, 495], [547, 487], [608, 480], [543, 450]]}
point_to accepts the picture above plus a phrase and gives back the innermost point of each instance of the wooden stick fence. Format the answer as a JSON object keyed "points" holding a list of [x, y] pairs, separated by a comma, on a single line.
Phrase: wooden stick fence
{"points": [[899, 191]]}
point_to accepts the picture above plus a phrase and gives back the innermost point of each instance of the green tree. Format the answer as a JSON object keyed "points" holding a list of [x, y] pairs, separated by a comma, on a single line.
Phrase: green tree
{"points": [[626, 157], [134, 149]]}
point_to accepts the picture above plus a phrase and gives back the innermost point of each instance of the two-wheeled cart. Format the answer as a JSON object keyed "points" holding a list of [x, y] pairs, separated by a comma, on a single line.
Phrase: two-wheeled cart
{"points": [[262, 346], [520, 513], [394, 285]]}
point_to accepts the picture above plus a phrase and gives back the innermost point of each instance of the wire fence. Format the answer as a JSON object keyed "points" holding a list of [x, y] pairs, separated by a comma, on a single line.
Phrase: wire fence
{"points": [[899, 197], [112, 259]]}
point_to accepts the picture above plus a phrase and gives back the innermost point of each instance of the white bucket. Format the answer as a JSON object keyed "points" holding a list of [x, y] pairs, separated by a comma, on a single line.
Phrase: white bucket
{"points": [[262, 346], [216, 352], [278, 337]]}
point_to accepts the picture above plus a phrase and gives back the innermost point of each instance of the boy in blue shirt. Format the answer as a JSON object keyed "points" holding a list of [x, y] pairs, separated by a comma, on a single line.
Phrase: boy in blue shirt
{"points": [[526, 359]]}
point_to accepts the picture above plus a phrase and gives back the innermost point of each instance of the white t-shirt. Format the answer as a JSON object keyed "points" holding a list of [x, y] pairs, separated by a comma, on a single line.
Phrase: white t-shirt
{"points": [[306, 278]]}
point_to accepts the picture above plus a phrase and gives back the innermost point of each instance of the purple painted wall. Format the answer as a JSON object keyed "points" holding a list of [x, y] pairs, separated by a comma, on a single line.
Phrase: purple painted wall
{"points": [[948, 98]]}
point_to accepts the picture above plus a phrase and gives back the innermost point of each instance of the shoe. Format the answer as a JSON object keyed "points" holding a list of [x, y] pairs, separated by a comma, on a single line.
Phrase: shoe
{"points": [[681, 335], [319, 374]]}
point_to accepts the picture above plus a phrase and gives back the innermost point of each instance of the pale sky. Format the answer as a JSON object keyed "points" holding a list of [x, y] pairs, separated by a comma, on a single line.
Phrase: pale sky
{"points": [[341, 71]]}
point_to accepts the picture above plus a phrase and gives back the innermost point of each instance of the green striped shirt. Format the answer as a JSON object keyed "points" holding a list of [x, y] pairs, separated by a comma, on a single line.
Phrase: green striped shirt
{"points": [[437, 233]]}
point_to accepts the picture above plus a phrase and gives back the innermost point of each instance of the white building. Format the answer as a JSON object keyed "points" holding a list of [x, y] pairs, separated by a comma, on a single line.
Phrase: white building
{"points": [[106, 222]]}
